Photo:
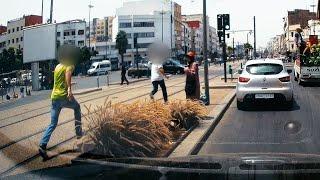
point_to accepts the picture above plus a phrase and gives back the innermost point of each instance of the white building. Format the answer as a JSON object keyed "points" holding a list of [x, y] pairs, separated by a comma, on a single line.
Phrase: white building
{"points": [[14, 36], [150, 21], [71, 32], [3, 41]]}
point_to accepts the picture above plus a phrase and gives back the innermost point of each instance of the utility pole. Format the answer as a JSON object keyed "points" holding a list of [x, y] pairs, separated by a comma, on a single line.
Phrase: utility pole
{"points": [[205, 55], [90, 6], [162, 13], [255, 36], [42, 10], [314, 24], [171, 22], [51, 11], [233, 46]]}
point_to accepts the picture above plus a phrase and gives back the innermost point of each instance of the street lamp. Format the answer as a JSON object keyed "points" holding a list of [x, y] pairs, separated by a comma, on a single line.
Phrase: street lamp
{"points": [[250, 32], [90, 6]]}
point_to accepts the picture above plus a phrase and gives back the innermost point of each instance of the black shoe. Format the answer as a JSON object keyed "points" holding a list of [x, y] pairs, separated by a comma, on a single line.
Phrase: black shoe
{"points": [[43, 153]]}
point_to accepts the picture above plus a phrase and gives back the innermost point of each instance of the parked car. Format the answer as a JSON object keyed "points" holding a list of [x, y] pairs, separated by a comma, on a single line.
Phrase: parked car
{"points": [[98, 68], [173, 67], [264, 80], [143, 70]]}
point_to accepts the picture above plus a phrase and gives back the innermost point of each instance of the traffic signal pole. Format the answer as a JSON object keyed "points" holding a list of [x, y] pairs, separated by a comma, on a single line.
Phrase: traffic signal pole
{"points": [[205, 53], [224, 54], [223, 25]]}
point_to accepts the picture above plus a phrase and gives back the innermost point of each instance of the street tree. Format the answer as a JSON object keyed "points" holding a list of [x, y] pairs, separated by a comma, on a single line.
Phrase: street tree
{"points": [[230, 50], [122, 43]]}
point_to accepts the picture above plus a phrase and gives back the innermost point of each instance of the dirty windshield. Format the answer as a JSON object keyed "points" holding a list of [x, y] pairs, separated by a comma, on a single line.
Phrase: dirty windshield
{"points": [[170, 88]]}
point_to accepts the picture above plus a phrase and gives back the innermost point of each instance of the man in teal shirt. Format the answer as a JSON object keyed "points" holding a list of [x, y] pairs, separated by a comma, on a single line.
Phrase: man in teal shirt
{"points": [[62, 97]]}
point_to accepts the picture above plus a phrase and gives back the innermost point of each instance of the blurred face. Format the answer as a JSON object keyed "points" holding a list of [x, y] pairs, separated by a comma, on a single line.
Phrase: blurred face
{"points": [[158, 52], [68, 55]]}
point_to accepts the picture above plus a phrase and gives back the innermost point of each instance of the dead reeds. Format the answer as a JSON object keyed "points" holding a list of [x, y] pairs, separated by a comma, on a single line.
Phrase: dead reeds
{"points": [[139, 129]]}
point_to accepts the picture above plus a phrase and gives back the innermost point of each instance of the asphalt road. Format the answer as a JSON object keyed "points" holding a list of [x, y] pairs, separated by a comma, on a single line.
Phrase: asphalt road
{"points": [[269, 128]]}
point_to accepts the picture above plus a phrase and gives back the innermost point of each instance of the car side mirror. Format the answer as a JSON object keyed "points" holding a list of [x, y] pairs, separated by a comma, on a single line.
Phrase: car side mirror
{"points": [[289, 71], [240, 71]]}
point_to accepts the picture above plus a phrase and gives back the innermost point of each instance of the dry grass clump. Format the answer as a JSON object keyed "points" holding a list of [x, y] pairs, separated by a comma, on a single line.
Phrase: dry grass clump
{"points": [[186, 113], [139, 129]]}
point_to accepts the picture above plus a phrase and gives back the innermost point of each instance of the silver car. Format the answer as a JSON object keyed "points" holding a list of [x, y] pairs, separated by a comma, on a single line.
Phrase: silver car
{"points": [[264, 80]]}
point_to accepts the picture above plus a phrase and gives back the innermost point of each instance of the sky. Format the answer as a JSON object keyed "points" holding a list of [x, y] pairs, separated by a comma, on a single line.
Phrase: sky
{"points": [[269, 13]]}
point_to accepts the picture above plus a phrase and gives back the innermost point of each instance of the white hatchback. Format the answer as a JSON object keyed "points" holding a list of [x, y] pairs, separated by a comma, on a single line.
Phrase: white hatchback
{"points": [[264, 80]]}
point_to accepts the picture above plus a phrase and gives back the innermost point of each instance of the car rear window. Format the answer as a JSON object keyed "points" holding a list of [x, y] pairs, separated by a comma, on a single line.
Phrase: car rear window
{"points": [[264, 69]]}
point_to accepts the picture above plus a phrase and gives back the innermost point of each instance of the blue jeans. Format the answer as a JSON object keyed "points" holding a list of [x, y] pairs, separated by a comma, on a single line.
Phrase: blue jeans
{"points": [[56, 107]]}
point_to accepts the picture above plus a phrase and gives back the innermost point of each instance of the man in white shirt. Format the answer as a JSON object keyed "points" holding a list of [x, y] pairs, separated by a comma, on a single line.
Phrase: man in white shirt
{"points": [[157, 74]]}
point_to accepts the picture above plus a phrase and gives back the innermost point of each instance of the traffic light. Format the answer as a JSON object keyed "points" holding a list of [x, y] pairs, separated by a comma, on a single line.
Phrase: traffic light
{"points": [[226, 21], [220, 22]]}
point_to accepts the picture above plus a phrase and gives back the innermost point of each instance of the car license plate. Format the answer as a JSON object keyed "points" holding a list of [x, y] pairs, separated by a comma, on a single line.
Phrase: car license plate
{"points": [[264, 96]]}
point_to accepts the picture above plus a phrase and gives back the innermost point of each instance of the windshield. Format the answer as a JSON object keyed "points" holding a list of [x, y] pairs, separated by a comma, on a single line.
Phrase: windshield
{"points": [[231, 83], [264, 69]]}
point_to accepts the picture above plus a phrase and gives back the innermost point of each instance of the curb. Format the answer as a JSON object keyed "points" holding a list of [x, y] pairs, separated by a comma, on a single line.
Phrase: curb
{"points": [[192, 143], [86, 91]]}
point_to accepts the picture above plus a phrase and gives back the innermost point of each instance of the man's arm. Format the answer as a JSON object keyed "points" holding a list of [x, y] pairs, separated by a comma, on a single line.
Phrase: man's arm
{"points": [[68, 80], [162, 72]]}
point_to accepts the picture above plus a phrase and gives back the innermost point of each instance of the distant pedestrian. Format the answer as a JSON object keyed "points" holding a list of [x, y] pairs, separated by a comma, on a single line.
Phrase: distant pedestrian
{"points": [[62, 97], [123, 75], [192, 87], [157, 78]]}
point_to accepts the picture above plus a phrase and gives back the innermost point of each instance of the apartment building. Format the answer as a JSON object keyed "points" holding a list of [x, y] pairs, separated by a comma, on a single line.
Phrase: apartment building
{"points": [[71, 32]]}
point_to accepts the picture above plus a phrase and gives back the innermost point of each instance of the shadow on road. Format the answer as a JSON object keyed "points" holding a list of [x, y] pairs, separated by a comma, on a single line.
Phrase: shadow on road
{"points": [[309, 84]]}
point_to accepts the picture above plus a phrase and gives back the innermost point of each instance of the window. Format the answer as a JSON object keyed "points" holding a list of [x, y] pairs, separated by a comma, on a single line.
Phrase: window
{"points": [[9, 31], [143, 24], [80, 43], [73, 33], [12, 41], [58, 34], [21, 39], [144, 45], [81, 32], [144, 35], [12, 30], [292, 34], [21, 27], [292, 46], [129, 35], [8, 41], [18, 28], [66, 33], [125, 25], [17, 40], [264, 69]]}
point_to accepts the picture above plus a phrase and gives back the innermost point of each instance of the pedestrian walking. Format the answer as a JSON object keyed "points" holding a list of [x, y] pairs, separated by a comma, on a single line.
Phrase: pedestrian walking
{"points": [[157, 78], [192, 87], [123, 75], [62, 97]]}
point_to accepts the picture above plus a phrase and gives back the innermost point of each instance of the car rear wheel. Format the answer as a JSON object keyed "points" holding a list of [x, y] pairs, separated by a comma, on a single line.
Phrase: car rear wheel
{"points": [[241, 105]]}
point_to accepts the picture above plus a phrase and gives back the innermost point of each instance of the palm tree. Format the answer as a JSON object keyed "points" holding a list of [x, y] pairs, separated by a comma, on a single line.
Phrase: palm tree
{"points": [[122, 43], [230, 50]]}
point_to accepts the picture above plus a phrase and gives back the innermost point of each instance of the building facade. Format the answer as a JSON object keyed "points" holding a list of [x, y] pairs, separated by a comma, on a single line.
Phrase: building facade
{"points": [[149, 21], [295, 19], [14, 36], [71, 32]]}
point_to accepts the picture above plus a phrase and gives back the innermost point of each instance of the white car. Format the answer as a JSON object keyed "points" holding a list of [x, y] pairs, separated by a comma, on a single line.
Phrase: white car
{"points": [[264, 80]]}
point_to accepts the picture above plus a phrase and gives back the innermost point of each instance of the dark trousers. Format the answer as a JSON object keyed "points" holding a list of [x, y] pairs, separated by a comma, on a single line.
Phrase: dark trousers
{"points": [[163, 88], [124, 78]]}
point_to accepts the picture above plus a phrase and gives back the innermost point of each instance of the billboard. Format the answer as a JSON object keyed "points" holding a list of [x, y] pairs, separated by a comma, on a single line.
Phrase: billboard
{"points": [[194, 24], [39, 43]]}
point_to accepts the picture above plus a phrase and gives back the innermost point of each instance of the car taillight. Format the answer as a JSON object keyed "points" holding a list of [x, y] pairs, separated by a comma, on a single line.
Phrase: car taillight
{"points": [[285, 79], [243, 79]]}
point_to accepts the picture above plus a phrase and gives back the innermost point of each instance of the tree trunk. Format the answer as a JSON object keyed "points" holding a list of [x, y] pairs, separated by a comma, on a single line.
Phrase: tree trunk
{"points": [[122, 59]]}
